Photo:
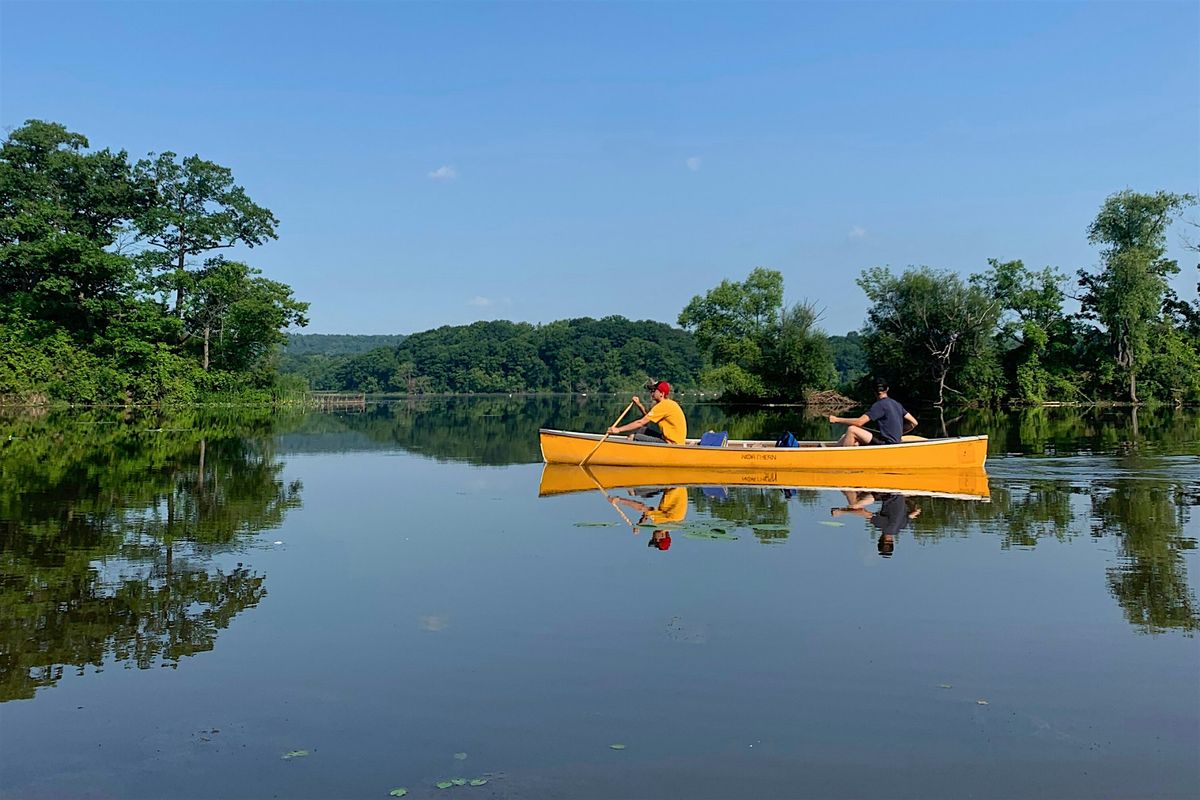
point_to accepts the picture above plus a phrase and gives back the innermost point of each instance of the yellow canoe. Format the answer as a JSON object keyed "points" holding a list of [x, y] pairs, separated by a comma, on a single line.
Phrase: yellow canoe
{"points": [[967, 484], [565, 447]]}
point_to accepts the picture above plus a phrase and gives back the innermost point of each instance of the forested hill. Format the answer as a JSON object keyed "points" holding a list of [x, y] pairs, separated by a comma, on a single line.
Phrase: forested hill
{"points": [[336, 344], [500, 356]]}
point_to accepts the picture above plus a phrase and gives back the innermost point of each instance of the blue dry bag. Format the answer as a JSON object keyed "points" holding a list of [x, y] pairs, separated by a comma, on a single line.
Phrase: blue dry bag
{"points": [[787, 440]]}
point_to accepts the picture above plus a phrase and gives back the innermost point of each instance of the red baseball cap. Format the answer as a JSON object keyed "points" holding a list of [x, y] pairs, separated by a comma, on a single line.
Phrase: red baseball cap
{"points": [[664, 543], [663, 387]]}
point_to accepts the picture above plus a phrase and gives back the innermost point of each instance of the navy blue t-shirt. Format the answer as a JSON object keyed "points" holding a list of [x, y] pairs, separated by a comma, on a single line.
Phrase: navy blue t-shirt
{"points": [[890, 416], [892, 516]]}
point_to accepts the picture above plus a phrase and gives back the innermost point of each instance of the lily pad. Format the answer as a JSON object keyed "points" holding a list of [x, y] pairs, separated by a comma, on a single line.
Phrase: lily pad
{"points": [[478, 781], [295, 754], [458, 781], [981, 702], [719, 536], [617, 746], [443, 784], [595, 524], [398, 792], [833, 524], [460, 756], [771, 527]]}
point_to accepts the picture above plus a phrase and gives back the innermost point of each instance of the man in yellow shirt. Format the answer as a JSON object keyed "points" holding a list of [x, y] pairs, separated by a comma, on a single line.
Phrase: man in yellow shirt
{"points": [[665, 412]]}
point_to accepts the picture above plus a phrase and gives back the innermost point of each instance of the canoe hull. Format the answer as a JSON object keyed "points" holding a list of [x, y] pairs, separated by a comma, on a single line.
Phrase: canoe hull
{"points": [[565, 447], [966, 484]]}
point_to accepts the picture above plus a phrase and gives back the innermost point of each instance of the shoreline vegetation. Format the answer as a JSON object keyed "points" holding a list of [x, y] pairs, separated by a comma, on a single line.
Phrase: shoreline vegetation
{"points": [[114, 292]]}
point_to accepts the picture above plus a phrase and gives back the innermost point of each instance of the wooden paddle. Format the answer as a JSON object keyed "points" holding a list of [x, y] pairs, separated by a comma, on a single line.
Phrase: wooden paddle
{"points": [[615, 424], [608, 496]]}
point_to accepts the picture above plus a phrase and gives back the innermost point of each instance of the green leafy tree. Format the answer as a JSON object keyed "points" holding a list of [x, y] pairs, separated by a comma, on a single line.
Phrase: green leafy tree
{"points": [[1035, 336], [198, 209], [61, 211], [239, 316], [755, 346], [849, 357], [928, 331], [1127, 295]]}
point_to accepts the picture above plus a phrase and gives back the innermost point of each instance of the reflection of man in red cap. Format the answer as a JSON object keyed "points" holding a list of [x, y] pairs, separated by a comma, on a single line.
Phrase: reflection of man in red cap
{"points": [[672, 508], [666, 413]]}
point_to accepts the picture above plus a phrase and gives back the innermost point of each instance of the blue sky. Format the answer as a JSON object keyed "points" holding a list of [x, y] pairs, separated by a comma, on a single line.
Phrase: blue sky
{"points": [[440, 163]]}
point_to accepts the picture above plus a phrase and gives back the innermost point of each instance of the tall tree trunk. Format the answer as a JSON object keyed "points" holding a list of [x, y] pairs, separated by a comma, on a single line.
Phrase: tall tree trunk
{"points": [[206, 332], [180, 274], [941, 379]]}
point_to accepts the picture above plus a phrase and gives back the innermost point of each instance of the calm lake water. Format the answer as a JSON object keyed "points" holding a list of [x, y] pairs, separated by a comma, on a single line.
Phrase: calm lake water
{"points": [[247, 604]]}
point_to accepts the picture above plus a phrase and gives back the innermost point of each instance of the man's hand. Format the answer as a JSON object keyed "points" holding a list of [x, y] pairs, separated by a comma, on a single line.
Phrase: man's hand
{"points": [[613, 429], [832, 419]]}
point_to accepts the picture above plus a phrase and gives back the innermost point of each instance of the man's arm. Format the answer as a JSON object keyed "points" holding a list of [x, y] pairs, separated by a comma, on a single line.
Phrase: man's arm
{"points": [[637, 401], [631, 503], [860, 421], [910, 422], [632, 426]]}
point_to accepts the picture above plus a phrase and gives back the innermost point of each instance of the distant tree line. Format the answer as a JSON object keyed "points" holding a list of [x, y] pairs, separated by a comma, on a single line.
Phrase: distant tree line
{"points": [[576, 355], [303, 344], [113, 288]]}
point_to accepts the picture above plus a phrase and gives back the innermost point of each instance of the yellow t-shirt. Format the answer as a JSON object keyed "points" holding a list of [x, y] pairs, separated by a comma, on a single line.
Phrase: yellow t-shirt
{"points": [[669, 416], [672, 508]]}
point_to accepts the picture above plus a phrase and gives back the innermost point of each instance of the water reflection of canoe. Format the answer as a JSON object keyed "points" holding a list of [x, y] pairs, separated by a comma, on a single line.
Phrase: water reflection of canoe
{"points": [[564, 447], [961, 483]]}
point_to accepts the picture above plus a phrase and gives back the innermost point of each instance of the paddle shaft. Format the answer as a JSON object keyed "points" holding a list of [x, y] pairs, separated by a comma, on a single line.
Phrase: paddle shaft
{"points": [[606, 433], [607, 496]]}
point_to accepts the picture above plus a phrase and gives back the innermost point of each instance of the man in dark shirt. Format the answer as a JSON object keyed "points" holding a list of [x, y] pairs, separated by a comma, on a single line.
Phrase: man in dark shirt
{"points": [[891, 418]]}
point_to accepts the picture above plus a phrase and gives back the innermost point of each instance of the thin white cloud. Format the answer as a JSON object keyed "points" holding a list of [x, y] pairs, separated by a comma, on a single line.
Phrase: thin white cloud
{"points": [[693, 163], [481, 302], [444, 173], [857, 232]]}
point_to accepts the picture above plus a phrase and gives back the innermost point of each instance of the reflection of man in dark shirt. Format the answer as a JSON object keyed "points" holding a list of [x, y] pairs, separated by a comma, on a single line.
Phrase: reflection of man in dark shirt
{"points": [[891, 518]]}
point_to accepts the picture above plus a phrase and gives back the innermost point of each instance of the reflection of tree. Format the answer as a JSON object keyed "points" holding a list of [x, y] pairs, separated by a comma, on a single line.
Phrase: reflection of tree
{"points": [[110, 530], [1151, 584], [747, 507], [1082, 429], [497, 430]]}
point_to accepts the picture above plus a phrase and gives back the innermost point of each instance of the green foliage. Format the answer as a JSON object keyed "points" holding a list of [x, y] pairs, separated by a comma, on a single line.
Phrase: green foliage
{"points": [[578, 355], [1035, 339], [927, 332], [1126, 298], [304, 344], [80, 314], [755, 347], [197, 208], [849, 357]]}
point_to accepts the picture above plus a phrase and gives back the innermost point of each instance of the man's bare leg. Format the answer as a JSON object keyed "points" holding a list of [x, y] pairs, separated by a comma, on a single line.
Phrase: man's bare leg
{"points": [[855, 436]]}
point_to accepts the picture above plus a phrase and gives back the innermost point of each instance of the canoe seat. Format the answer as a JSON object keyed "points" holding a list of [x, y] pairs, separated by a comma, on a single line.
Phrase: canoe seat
{"points": [[714, 439]]}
